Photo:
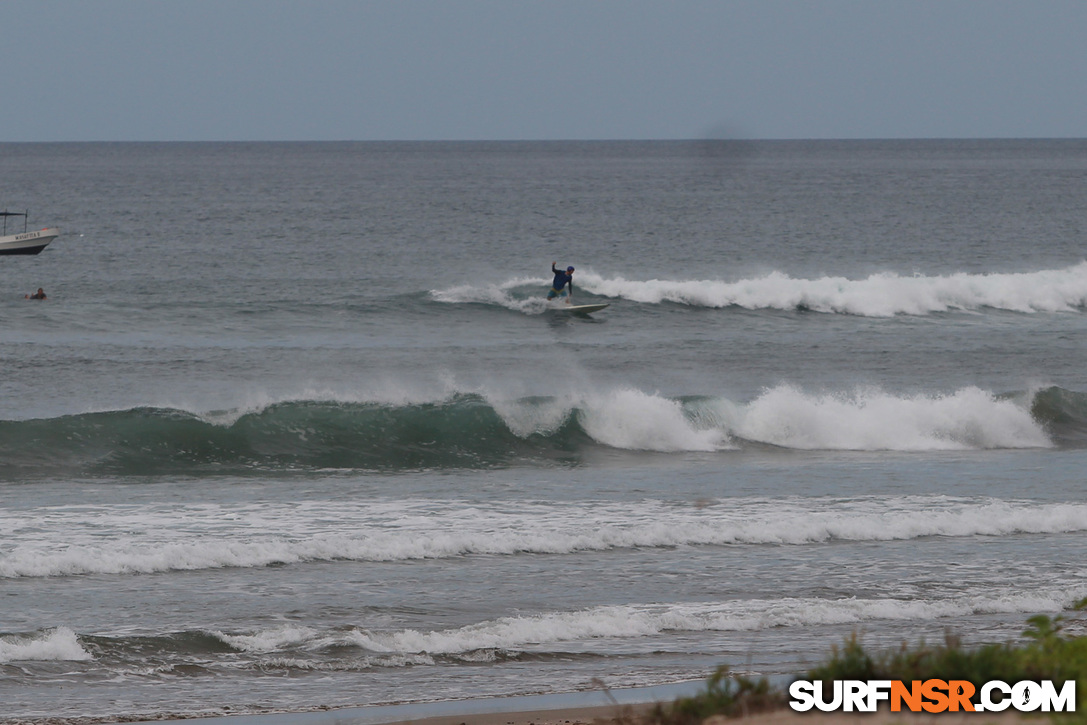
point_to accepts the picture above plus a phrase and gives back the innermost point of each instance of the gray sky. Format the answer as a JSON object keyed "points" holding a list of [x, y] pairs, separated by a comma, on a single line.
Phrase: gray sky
{"points": [[119, 70]]}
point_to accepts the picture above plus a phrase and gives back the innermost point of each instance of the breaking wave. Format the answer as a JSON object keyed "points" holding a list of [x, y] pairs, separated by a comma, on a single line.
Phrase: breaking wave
{"points": [[58, 644], [355, 648], [358, 648], [630, 621], [879, 295], [146, 540], [474, 430]]}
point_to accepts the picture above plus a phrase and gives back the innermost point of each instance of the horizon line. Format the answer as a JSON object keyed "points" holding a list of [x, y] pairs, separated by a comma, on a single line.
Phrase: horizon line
{"points": [[703, 139]]}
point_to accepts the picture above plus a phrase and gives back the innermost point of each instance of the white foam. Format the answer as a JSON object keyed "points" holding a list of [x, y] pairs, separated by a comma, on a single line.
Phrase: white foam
{"points": [[269, 640], [631, 419], [869, 419], [532, 417], [878, 295], [60, 644], [67, 540], [635, 621]]}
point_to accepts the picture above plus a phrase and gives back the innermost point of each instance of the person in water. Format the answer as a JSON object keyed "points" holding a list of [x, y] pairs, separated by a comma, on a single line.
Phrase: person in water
{"points": [[559, 286], [39, 295]]}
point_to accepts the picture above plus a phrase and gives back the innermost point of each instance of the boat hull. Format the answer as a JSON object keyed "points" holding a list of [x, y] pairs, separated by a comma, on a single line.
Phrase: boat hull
{"points": [[27, 242]]}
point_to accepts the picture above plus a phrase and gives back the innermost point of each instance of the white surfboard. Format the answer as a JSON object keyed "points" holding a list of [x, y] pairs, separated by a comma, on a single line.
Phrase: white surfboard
{"points": [[581, 309]]}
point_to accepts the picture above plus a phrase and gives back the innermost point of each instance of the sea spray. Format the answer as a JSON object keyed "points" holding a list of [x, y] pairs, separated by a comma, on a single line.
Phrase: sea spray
{"points": [[631, 419], [499, 294]]}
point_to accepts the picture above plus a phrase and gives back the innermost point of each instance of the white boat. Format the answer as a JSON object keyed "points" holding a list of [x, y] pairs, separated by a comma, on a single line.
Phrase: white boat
{"points": [[27, 242]]}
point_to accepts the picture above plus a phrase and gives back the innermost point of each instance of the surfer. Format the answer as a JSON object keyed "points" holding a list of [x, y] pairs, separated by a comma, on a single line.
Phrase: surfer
{"points": [[39, 295], [562, 279]]}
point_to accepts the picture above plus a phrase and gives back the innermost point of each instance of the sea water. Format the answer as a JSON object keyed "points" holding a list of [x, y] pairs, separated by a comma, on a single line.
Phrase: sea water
{"points": [[296, 428]]}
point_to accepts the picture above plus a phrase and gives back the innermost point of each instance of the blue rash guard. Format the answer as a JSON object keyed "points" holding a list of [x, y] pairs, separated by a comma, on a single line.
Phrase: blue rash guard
{"points": [[561, 280]]}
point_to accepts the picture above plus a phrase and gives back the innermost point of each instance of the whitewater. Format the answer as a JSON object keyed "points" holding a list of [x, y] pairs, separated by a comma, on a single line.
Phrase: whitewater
{"points": [[64, 540], [882, 294], [327, 445], [479, 429]]}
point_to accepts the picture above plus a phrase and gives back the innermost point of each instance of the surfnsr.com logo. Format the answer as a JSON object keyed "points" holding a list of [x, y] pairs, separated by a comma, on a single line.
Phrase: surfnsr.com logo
{"points": [[932, 696]]}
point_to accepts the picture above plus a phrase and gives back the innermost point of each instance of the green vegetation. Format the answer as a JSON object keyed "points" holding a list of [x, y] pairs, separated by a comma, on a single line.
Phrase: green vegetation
{"points": [[1048, 654], [726, 695]]}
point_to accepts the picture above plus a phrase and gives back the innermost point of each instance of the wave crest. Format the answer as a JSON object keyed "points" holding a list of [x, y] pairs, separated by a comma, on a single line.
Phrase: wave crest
{"points": [[478, 430]]}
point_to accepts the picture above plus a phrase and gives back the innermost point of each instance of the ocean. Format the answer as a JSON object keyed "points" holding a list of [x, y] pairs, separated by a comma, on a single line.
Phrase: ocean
{"points": [[295, 428]]}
